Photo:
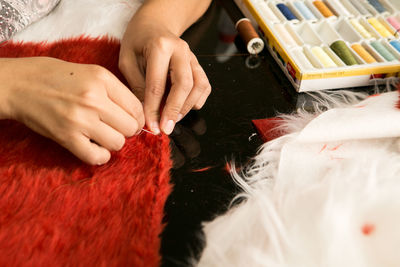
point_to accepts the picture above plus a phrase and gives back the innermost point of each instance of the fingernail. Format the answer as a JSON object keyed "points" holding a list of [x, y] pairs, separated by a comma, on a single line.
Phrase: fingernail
{"points": [[169, 127], [180, 116], [155, 128]]}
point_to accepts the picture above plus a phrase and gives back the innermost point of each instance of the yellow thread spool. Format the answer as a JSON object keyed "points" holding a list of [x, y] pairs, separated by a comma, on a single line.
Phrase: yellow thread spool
{"points": [[387, 27], [325, 11], [360, 28], [363, 53], [379, 27], [325, 59]]}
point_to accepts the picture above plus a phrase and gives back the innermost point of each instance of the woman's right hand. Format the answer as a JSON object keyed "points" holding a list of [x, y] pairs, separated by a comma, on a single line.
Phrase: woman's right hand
{"points": [[84, 108]]}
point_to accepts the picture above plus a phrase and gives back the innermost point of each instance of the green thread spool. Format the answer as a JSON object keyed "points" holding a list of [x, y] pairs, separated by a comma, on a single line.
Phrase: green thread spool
{"points": [[383, 51], [340, 48]]}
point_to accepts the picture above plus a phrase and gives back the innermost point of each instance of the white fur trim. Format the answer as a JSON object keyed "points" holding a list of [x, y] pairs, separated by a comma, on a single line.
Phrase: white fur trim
{"points": [[309, 206], [73, 18]]}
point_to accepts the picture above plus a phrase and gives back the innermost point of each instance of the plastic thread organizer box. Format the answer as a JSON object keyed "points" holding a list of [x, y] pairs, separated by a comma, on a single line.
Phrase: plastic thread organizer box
{"points": [[332, 43]]}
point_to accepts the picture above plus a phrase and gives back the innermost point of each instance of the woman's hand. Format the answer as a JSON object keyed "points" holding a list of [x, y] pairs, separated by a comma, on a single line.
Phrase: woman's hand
{"points": [[84, 108], [151, 53]]}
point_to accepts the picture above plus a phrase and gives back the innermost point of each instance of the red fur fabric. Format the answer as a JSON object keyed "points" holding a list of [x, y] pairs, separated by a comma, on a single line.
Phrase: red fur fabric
{"points": [[268, 128], [57, 211]]}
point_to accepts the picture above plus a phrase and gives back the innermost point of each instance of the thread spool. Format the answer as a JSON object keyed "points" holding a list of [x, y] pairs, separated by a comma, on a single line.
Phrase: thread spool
{"points": [[340, 9], [360, 7], [363, 53], [343, 52], [379, 27], [304, 10], [302, 59], [394, 22], [395, 44], [360, 29], [383, 51], [286, 11], [377, 5], [324, 9], [249, 35], [323, 57], [285, 35], [267, 12]]}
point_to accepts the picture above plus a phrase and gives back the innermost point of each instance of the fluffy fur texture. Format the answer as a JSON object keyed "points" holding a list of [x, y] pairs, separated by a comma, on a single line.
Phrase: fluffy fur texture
{"points": [[318, 203], [73, 18], [57, 211]]}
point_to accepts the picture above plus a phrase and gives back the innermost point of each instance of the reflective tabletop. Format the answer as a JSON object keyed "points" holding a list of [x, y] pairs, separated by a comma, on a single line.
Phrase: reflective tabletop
{"points": [[244, 88]]}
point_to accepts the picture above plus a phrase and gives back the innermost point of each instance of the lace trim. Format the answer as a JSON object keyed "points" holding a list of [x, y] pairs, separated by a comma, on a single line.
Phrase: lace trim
{"points": [[15, 15]]}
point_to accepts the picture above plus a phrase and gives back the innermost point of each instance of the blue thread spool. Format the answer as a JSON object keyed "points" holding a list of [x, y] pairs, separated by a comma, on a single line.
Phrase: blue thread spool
{"points": [[304, 10], [383, 51], [377, 5], [286, 11], [395, 44]]}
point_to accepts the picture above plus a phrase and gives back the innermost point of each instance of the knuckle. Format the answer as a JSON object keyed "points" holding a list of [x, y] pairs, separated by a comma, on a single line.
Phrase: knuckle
{"points": [[95, 159], [185, 82], [98, 72], [208, 90], [186, 108], [119, 142], [137, 110], [197, 106], [73, 117], [138, 114], [141, 122], [201, 102], [183, 45], [90, 98], [93, 156], [162, 43], [66, 139], [131, 130], [157, 89], [203, 85], [173, 110], [89, 93]]}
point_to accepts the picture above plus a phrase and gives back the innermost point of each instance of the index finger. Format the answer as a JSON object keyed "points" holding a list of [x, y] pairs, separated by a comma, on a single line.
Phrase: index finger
{"points": [[124, 98], [156, 78], [181, 86]]}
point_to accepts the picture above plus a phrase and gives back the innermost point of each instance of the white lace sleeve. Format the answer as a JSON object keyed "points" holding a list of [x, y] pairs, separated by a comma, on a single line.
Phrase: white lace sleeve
{"points": [[15, 15]]}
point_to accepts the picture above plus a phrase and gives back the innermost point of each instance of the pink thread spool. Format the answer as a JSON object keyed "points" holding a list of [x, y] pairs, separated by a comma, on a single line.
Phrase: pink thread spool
{"points": [[394, 22]]}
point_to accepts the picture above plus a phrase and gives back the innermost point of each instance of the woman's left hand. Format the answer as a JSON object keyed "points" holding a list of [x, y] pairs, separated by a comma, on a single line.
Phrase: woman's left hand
{"points": [[150, 54]]}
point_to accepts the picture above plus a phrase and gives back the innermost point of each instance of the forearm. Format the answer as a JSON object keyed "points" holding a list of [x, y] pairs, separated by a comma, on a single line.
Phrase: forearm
{"points": [[176, 15], [5, 78]]}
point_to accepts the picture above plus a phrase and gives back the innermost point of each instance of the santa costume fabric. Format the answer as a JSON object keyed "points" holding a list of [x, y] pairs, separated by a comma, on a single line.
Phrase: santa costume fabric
{"points": [[325, 193], [56, 210]]}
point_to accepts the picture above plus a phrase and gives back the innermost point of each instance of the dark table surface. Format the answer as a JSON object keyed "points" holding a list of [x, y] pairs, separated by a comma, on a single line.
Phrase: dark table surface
{"points": [[206, 140]]}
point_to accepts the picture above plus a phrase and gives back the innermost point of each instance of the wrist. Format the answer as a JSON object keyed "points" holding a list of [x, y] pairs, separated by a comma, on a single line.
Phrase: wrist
{"points": [[149, 21], [163, 13], [5, 89]]}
